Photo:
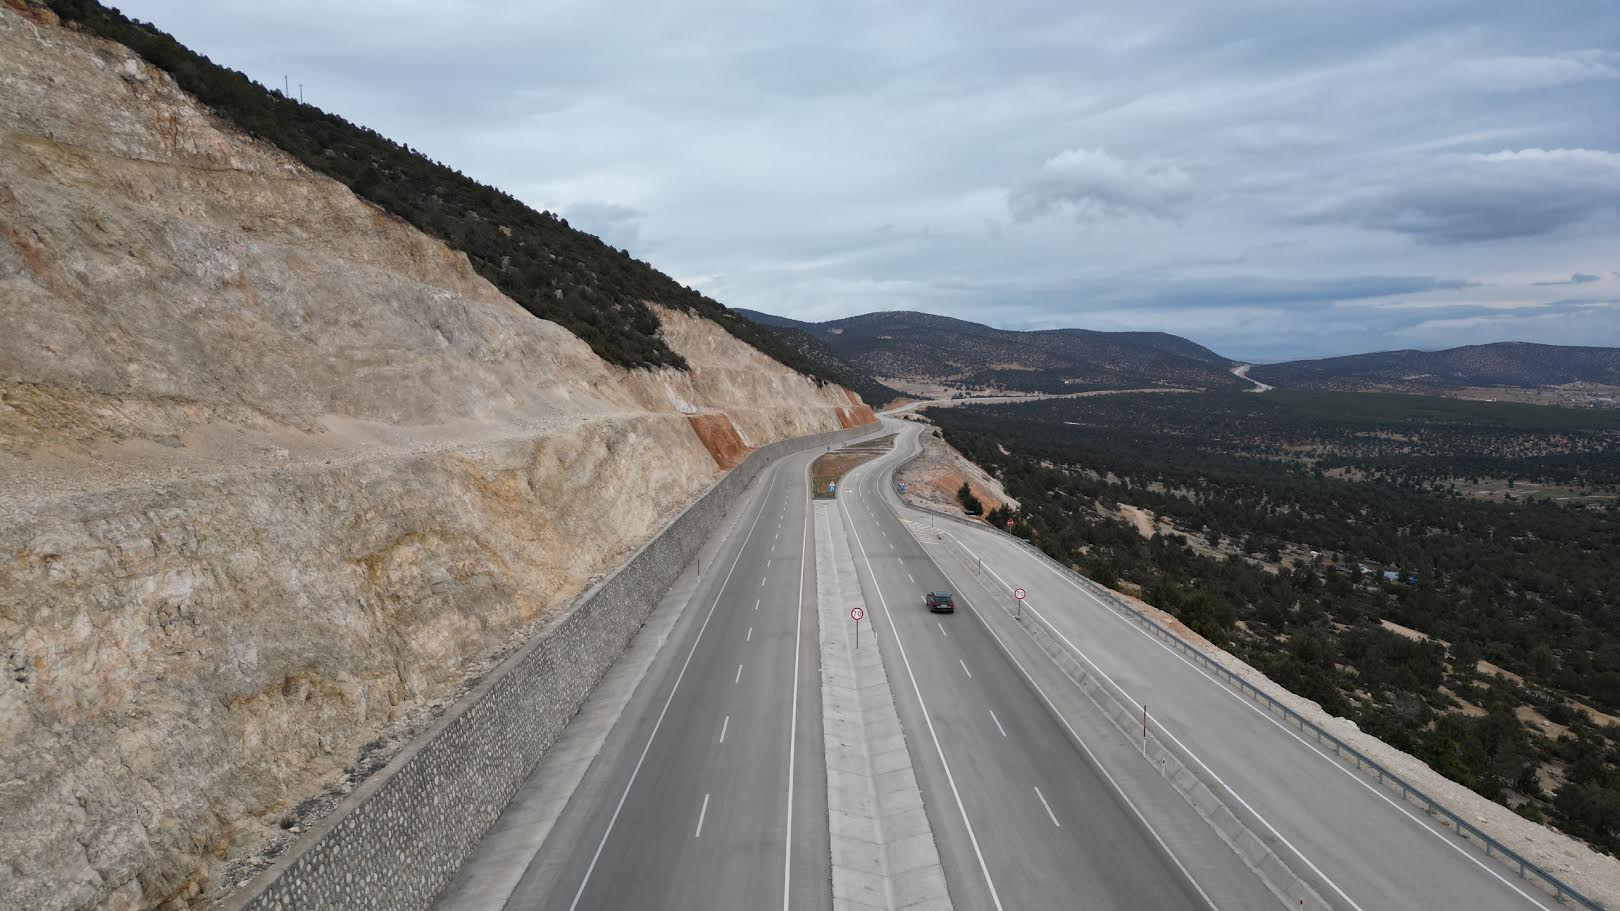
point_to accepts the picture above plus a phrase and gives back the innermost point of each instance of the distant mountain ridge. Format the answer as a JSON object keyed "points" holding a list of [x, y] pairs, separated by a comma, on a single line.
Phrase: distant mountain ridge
{"points": [[1500, 364], [908, 348], [922, 350]]}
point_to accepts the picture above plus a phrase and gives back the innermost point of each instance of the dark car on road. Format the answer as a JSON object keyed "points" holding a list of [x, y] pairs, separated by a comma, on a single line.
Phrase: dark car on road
{"points": [[941, 602]]}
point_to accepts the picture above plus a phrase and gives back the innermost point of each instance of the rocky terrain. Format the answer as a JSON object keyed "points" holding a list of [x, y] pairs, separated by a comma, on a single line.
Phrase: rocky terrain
{"points": [[795, 335], [278, 470], [934, 477]]}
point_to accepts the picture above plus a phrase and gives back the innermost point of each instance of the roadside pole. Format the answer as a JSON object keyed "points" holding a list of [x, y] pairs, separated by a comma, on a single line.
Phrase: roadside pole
{"points": [[856, 613]]}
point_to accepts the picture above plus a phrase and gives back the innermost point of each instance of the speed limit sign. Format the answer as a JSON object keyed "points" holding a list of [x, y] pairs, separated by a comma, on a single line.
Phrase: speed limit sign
{"points": [[856, 613], [1018, 593]]}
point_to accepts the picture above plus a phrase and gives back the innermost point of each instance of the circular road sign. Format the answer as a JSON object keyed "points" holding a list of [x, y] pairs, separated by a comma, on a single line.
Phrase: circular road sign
{"points": [[857, 613], [1018, 593]]}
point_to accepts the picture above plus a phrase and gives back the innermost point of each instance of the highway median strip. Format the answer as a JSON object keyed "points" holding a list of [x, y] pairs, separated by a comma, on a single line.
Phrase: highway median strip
{"points": [[883, 849]]}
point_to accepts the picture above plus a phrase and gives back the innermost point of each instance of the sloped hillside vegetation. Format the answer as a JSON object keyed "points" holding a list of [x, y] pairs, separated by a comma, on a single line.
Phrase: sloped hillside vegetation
{"points": [[1518, 364], [797, 336], [553, 270], [902, 347]]}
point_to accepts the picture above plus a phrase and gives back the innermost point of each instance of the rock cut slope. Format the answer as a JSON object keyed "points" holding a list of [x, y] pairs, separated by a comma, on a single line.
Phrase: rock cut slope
{"points": [[277, 470]]}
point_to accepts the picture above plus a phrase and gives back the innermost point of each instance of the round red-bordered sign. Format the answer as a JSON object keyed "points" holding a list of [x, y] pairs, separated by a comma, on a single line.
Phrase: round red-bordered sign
{"points": [[856, 613], [1018, 593]]}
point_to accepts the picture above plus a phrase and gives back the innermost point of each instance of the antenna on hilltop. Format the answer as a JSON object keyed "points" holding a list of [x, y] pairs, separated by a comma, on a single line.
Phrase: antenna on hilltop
{"points": [[286, 90]]}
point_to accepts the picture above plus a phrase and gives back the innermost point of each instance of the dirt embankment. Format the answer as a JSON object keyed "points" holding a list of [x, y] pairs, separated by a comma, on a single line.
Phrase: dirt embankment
{"points": [[281, 473], [934, 478]]}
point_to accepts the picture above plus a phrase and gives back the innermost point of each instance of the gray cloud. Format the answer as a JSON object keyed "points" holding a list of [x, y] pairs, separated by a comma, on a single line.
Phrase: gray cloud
{"points": [[1579, 278], [1462, 198], [1271, 179], [1094, 184], [618, 226]]}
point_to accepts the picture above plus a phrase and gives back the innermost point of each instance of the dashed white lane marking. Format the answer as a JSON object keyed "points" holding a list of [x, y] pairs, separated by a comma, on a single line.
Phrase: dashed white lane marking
{"points": [[942, 629], [738, 677], [659, 723], [998, 723], [911, 577], [723, 726], [750, 636], [894, 630], [1165, 731], [702, 813], [761, 581], [1049, 814], [756, 604], [964, 667]]}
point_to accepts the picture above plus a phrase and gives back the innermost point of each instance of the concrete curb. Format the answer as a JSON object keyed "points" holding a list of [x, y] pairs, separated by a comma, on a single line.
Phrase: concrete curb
{"points": [[883, 850]]}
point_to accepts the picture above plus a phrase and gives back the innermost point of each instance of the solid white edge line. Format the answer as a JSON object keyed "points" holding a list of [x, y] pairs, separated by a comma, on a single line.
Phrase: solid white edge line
{"points": [[1262, 713], [591, 868], [1167, 732], [702, 813], [929, 722], [793, 720], [1096, 761], [1050, 815]]}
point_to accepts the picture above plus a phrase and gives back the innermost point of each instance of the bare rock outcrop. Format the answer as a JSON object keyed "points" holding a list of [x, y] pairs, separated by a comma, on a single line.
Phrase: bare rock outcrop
{"points": [[934, 477], [277, 469]]}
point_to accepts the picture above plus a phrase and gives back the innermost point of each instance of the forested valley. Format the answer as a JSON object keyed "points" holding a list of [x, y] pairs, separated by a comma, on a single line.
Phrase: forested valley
{"points": [[1444, 573]]}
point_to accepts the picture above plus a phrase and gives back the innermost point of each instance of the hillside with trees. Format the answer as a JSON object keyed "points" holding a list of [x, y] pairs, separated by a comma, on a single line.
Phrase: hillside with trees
{"points": [[1499, 365], [1339, 543], [553, 270], [926, 350], [815, 350]]}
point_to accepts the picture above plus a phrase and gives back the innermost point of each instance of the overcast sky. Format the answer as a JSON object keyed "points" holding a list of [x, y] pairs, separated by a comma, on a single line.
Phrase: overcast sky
{"points": [[1272, 178]]}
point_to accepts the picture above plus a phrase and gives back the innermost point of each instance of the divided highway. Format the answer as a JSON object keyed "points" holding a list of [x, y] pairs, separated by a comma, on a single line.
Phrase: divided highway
{"points": [[1374, 850], [709, 790], [1022, 815]]}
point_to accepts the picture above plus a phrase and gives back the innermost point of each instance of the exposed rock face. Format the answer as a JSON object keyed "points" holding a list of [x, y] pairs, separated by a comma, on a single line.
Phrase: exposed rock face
{"points": [[933, 479], [276, 468]]}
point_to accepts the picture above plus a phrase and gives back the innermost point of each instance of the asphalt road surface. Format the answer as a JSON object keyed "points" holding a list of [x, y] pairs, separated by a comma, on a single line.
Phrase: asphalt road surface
{"points": [[1023, 816], [1376, 851], [710, 792], [710, 789]]}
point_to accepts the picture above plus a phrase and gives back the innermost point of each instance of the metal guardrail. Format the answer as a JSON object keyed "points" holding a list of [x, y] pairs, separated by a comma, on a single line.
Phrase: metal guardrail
{"points": [[1527, 868]]}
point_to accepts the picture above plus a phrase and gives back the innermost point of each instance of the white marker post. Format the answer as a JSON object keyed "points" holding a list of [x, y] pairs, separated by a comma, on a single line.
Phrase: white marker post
{"points": [[1019, 594], [1144, 729], [856, 613]]}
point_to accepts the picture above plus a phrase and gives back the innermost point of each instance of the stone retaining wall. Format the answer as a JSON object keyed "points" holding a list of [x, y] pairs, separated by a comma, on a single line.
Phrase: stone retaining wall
{"points": [[395, 842]]}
